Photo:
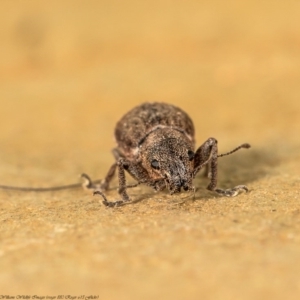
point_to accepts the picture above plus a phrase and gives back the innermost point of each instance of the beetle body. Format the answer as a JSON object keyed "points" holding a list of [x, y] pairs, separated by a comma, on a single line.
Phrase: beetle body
{"points": [[156, 146]]}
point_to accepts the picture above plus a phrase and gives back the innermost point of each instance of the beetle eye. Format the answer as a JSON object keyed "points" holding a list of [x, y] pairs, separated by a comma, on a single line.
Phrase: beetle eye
{"points": [[191, 155], [155, 164]]}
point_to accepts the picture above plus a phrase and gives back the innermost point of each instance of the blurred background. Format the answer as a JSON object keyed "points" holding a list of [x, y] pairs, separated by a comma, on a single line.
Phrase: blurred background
{"points": [[70, 69]]}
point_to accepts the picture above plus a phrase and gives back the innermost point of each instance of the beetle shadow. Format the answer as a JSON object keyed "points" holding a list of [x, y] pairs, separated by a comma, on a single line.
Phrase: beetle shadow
{"points": [[245, 168]]}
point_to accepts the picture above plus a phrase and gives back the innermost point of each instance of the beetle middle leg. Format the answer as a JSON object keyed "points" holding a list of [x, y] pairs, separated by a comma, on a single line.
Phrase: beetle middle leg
{"points": [[136, 171], [122, 165], [133, 168], [208, 154]]}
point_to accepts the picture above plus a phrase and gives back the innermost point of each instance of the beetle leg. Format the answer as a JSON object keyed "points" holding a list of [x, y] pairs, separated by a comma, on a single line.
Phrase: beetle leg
{"points": [[231, 192], [208, 154], [106, 202], [203, 155], [122, 165], [109, 176], [135, 170], [122, 179]]}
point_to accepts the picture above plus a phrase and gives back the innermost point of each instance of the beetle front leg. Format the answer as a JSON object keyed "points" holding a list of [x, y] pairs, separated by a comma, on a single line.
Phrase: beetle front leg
{"points": [[122, 180], [110, 174], [208, 154], [122, 165]]}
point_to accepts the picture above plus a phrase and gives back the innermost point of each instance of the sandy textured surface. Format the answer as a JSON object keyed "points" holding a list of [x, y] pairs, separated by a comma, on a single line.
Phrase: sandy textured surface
{"points": [[69, 71]]}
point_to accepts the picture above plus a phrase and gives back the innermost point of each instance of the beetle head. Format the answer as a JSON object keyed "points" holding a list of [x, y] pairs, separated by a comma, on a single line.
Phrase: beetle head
{"points": [[168, 154]]}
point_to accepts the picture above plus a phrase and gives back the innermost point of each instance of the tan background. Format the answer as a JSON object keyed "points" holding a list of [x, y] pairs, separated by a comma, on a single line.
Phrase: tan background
{"points": [[70, 69]]}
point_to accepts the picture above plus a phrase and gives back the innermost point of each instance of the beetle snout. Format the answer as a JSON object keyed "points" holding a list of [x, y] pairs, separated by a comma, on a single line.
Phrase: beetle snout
{"points": [[177, 185], [177, 177]]}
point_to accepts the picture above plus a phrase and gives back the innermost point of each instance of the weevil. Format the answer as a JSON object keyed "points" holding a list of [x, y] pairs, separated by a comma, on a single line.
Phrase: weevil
{"points": [[156, 146]]}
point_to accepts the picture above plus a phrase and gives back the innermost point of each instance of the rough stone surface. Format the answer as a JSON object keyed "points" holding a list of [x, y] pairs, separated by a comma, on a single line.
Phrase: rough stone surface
{"points": [[69, 70]]}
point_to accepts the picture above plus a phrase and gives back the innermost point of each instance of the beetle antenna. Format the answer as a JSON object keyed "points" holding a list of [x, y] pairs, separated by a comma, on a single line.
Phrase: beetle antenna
{"points": [[44, 189], [246, 146]]}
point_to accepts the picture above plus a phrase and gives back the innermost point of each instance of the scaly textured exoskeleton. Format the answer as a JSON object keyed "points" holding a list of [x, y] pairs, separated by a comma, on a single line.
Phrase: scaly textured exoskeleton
{"points": [[156, 146]]}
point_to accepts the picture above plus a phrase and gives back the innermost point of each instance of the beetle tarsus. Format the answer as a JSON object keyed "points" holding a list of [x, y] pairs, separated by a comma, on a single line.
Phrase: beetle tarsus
{"points": [[109, 203], [231, 192]]}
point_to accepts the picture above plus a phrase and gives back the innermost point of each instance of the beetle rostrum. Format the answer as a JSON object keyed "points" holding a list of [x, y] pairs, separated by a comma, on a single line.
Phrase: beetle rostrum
{"points": [[156, 146]]}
